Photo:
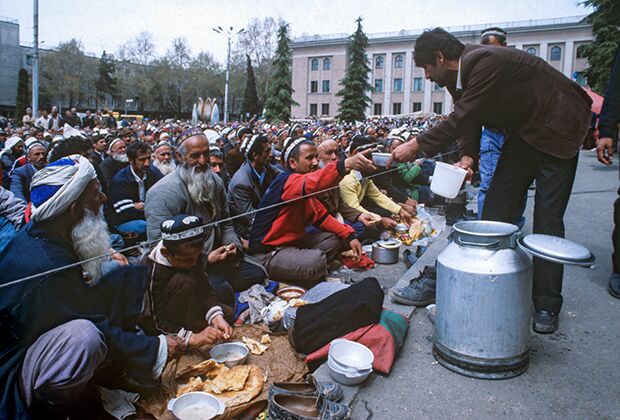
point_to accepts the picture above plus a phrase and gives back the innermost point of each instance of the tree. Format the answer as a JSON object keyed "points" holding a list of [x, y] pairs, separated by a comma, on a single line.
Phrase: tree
{"points": [[605, 22], [23, 94], [106, 83], [355, 84], [250, 97], [140, 50], [280, 95]]}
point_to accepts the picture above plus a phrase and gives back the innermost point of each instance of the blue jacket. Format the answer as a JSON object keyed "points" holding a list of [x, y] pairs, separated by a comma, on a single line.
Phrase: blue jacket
{"points": [[20, 182], [610, 113], [124, 191], [30, 308]]}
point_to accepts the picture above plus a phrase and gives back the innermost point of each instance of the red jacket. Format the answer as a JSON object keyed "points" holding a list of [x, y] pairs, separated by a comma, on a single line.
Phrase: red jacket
{"points": [[283, 225]]}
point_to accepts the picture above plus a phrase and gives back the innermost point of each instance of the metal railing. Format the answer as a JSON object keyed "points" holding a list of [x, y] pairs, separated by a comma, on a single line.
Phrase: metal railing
{"points": [[462, 28]]}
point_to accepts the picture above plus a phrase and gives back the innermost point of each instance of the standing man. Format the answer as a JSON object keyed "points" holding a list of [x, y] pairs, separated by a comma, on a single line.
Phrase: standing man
{"points": [[56, 122], [608, 127], [546, 116]]}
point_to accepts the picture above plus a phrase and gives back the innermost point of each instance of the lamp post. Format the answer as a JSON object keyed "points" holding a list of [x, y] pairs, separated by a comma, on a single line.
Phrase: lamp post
{"points": [[35, 58], [229, 34]]}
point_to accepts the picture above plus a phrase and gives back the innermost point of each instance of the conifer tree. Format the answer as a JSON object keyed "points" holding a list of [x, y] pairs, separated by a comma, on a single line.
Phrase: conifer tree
{"points": [[355, 86], [106, 82], [22, 101], [280, 94], [250, 97]]}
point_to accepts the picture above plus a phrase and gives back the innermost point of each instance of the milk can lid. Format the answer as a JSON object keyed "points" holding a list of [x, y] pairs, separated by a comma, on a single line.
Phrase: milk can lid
{"points": [[556, 249]]}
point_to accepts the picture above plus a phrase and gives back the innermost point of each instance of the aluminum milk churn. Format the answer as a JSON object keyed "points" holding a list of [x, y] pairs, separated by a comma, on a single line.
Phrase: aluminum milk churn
{"points": [[484, 296]]}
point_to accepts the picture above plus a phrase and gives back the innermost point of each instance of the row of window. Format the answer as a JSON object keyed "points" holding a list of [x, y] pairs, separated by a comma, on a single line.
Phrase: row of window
{"points": [[314, 109], [397, 108], [314, 86], [314, 65], [399, 62], [397, 85]]}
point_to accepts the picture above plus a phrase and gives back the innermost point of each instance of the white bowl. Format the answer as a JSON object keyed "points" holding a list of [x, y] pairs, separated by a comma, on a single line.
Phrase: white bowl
{"points": [[447, 180], [351, 354], [346, 378], [198, 399], [381, 159], [347, 369]]}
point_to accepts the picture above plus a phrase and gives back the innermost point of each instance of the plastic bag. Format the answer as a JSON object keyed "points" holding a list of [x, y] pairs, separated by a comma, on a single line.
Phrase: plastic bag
{"points": [[436, 223]]}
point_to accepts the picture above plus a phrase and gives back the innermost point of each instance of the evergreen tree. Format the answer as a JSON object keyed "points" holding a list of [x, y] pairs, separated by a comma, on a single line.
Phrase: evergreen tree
{"points": [[22, 101], [355, 84], [280, 94], [605, 22], [106, 82], [250, 97]]}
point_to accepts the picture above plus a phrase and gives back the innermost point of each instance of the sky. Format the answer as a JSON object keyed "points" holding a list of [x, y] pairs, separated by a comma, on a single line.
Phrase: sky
{"points": [[105, 25]]}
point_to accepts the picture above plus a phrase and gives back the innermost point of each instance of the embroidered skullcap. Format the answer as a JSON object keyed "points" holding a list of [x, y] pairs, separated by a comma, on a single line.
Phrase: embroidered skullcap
{"points": [[191, 132], [12, 142], [161, 144], [294, 127], [182, 228], [113, 142]]}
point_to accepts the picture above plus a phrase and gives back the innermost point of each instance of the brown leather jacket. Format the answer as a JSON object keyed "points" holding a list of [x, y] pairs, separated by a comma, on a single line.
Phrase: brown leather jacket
{"points": [[510, 89]]}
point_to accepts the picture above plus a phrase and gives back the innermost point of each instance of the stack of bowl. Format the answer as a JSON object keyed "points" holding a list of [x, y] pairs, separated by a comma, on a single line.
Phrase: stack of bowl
{"points": [[349, 363]]}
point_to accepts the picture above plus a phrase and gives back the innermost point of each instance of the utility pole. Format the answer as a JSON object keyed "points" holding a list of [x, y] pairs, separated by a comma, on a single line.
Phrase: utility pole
{"points": [[35, 59], [229, 35]]}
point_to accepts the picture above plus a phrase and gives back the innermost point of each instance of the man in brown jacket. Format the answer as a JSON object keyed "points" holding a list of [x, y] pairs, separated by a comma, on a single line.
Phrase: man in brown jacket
{"points": [[546, 117]]}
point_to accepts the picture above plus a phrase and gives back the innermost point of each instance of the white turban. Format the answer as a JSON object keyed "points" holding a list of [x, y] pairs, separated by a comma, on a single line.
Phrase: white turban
{"points": [[55, 187], [12, 142]]}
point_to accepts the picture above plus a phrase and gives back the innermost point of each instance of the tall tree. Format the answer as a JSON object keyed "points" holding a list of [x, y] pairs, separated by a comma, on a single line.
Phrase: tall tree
{"points": [[605, 22], [140, 50], [250, 97], [23, 94], [280, 94], [106, 83], [355, 86]]}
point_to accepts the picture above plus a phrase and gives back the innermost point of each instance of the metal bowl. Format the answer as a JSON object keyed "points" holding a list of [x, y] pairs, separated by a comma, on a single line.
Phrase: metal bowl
{"points": [[291, 292], [231, 354], [200, 399], [381, 159], [351, 355], [345, 378]]}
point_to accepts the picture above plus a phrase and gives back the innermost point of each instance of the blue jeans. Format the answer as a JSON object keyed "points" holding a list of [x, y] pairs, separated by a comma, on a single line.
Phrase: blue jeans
{"points": [[491, 144], [133, 226], [7, 231]]}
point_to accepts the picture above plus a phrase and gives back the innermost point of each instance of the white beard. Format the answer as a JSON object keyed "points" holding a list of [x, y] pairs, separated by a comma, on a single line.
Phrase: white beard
{"points": [[91, 239], [201, 185], [122, 158], [164, 167]]}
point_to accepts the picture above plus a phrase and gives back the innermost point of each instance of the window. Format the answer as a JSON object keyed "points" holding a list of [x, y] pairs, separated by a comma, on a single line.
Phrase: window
{"points": [[581, 51], [531, 50], [580, 78], [437, 87], [324, 109], [438, 108], [418, 84], [398, 85], [313, 109], [327, 64], [314, 64], [325, 86], [417, 106], [379, 63], [396, 108], [378, 109], [398, 61], [556, 54], [314, 86], [378, 85]]}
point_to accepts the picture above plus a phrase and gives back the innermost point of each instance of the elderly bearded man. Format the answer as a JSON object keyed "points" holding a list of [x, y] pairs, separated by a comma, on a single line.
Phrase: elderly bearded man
{"points": [[117, 159], [194, 189], [58, 329], [20, 180], [163, 158]]}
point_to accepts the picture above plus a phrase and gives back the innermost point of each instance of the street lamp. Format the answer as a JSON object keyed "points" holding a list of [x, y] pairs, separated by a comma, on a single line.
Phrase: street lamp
{"points": [[229, 34]]}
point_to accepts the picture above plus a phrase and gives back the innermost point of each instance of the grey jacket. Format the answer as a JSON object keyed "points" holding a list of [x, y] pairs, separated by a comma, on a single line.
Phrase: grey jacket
{"points": [[170, 197], [244, 194], [11, 207]]}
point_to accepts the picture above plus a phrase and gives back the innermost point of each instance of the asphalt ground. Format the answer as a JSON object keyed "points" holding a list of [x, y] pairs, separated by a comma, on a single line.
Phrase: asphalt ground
{"points": [[573, 374]]}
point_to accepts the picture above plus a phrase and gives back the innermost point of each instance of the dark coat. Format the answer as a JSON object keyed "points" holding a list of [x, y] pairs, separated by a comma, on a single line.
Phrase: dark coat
{"points": [[334, 204], [20, 182], [610, 113], [244, 194], [31, 308], [109, 167], [124, 192], [510, 89]]}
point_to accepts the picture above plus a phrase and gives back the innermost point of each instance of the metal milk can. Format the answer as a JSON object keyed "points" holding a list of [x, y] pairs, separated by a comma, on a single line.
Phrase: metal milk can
{"points": [[484, 296]]}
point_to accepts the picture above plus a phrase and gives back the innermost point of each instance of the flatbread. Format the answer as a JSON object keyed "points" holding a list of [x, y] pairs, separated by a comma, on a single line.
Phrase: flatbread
{"points": [[209, 369], [253, 387], [254, 346], [194, 384], [233, 380]]}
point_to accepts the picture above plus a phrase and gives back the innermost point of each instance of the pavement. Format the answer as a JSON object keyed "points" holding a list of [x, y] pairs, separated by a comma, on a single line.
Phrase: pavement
{"points": [[573, 374]]}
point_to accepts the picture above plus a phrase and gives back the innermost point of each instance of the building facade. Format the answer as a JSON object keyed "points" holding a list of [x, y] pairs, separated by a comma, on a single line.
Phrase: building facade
{"points": [[319, 63]]}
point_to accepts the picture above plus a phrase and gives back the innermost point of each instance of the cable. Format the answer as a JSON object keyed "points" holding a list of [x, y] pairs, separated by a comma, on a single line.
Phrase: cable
{"points": [[207, 225]]}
